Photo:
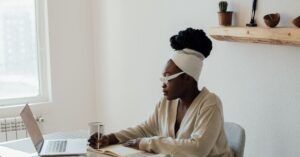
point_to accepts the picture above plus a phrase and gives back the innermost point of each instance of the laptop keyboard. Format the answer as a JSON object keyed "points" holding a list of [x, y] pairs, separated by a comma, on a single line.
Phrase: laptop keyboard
{"points": [[56, 146]]}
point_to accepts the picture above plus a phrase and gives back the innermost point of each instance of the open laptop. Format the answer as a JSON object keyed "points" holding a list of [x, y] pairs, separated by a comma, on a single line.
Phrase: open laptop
{"points": [[51, 147]]}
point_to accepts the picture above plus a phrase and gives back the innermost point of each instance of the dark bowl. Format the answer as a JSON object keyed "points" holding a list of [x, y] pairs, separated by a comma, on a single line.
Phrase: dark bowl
{"points": [[296, 22], [272, 20]]}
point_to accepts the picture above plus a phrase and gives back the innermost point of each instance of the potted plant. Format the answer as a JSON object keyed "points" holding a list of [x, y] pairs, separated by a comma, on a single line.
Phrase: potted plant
{"points": [[225, 17]]}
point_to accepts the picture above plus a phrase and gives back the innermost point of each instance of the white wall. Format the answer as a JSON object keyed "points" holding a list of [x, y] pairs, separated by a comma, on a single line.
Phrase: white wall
{"points": [[257, 83], [72, 69]]}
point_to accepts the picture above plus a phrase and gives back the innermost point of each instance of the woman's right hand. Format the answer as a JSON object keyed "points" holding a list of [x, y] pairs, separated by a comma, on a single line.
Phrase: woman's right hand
{"points": [[96, 144], [103, 141]]}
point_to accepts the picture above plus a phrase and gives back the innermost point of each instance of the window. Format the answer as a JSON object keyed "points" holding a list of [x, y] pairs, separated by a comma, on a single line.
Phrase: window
{"points": [[24, 74]]}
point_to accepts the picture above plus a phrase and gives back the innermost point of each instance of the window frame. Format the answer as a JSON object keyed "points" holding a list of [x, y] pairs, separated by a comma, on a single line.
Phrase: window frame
{"points": [[41, 15]]}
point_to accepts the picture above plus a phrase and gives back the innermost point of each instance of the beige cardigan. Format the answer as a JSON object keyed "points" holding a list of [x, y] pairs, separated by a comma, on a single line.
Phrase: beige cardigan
{"points": [[201, 133]]}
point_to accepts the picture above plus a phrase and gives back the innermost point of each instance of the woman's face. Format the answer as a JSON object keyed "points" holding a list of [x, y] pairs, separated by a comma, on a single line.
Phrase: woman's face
{"points": [[173, 88]]}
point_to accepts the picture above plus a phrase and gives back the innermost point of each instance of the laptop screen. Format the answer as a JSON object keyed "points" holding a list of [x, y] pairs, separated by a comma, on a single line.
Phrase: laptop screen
{"points": [[32, 128]]}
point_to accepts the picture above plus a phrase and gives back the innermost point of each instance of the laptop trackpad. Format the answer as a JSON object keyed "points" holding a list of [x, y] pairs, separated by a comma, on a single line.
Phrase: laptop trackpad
{"points": [[77, 146]]}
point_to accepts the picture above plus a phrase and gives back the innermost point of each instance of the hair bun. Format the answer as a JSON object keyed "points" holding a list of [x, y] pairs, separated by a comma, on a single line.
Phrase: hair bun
{"points": [[195, 39]]}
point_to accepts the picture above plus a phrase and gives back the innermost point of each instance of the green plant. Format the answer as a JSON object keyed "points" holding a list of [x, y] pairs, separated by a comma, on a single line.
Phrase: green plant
{"points": [[223, 6]]}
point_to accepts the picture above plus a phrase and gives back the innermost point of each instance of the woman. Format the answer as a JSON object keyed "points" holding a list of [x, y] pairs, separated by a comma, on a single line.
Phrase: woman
{"points": [[186, 122]]}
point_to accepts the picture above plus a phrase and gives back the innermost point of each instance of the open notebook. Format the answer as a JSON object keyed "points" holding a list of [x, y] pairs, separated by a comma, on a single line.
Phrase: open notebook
{"points": [[119, 150]]}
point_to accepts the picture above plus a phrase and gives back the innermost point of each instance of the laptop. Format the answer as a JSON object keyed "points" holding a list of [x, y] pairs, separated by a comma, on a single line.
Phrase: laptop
{"points": [[51, 147]]}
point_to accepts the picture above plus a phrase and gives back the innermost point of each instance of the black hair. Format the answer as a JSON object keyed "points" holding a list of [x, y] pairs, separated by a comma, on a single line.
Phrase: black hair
{"points": [[195, 39]]}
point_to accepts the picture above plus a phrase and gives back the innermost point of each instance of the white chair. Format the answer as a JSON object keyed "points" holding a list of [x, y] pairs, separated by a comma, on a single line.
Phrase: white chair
{"points": [[236, 138]]}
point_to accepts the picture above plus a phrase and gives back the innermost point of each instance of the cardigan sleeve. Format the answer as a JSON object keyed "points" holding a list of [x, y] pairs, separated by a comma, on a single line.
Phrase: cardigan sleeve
{"points": [[148, 128], [203, 138]]}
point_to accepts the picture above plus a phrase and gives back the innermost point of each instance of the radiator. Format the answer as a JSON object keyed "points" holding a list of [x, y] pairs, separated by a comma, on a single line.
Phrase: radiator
{"points": [[13, 128]]}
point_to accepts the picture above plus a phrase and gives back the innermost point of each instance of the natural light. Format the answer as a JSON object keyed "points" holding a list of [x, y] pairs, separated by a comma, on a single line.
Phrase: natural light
{"points": [[19, 56]]}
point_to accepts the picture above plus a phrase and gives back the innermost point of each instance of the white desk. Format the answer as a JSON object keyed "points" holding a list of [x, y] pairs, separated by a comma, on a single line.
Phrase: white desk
{"points": [[26, 145]]}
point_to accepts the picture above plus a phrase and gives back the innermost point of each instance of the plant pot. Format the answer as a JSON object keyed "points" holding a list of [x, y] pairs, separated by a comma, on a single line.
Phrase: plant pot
{"points": [[225, 18]]}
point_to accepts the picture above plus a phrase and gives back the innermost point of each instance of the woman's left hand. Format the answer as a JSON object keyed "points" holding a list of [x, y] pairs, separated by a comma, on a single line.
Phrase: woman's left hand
{"points": [[134, 143]]}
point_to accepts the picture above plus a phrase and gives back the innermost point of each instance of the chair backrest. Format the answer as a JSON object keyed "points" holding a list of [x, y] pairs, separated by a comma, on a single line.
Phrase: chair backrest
{"points": [[236, 138]]}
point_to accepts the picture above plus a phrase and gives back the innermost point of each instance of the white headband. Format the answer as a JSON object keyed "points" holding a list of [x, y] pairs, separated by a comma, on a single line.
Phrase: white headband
{"points": [[189, 61]]}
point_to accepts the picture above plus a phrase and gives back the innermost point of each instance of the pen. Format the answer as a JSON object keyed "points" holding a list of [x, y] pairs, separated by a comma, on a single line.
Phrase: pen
{"points": [[98, 135]]}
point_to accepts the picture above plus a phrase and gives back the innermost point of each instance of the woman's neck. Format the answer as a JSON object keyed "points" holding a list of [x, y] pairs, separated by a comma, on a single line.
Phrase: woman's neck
{"points": [[189, 97]]}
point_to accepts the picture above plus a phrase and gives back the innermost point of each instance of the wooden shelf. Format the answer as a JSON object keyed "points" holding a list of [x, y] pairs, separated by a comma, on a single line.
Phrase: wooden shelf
{"points": [[276, 36]]}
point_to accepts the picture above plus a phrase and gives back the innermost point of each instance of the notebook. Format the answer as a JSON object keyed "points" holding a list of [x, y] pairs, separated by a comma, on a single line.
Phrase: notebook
{"points": [[51, 147], [119, 150]]}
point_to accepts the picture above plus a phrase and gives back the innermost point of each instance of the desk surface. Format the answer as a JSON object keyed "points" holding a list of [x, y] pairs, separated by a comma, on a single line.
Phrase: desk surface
{"points": [[25, 145]]}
